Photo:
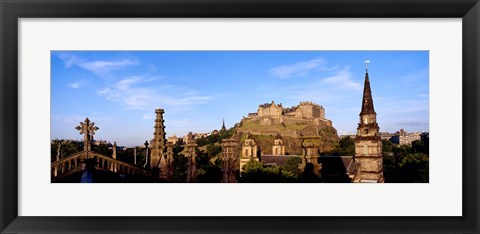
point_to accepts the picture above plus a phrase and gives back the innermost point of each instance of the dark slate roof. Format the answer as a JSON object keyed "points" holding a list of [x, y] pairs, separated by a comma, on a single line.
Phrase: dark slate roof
{"points": [[335, 168], [278, 136]]}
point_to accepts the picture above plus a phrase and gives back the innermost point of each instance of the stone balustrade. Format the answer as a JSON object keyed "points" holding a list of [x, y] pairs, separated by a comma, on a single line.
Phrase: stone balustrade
{"points": [[73, 163]]}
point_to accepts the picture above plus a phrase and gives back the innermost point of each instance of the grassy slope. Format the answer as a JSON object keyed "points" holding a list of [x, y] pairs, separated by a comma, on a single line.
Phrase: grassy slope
{"points": [[328, 136]]}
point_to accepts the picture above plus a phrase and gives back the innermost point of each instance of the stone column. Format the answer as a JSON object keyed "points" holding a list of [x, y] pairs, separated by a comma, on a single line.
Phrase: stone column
{"points": [[158, 144], [191, 158], [229, 158], [169, 159], [114, 148]]}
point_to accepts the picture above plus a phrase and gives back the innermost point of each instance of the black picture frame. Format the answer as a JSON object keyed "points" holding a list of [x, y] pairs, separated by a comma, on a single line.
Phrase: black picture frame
{"points": [[11, 11]]}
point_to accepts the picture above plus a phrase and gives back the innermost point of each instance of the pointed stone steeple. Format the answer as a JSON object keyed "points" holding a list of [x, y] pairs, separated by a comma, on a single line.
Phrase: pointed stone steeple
{"points": [[367, 101], [368, 143]]}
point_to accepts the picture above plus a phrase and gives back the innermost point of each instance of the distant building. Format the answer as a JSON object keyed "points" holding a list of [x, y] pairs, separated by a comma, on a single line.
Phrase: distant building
{"points": [[173, 139], [403, 138], [272, 113], [386, 135]]}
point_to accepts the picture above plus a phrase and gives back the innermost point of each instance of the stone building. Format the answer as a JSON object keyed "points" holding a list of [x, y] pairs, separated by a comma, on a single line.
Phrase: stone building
{"points": [[403, 138], [158, 142], [306, 110], [275, 114], [270, 109], [249, 151], [368, 143], [278, 147], [173, 139]]}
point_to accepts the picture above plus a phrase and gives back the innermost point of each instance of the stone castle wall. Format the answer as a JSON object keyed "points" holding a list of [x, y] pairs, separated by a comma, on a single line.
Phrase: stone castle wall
{"points": [[305, 110]]}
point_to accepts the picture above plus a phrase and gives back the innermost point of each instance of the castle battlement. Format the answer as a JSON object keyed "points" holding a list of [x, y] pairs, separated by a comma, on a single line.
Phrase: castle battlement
{"points": [[264, 105], [272, 113], [310, 104]]}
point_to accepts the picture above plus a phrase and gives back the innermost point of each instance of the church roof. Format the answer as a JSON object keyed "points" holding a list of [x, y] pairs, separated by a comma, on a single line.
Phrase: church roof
{"points": [[278, 136], [336, 169], [367, 101]]}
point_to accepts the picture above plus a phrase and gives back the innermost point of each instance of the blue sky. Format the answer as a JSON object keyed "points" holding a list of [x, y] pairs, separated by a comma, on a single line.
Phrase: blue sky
{"points": [[120, 90]]}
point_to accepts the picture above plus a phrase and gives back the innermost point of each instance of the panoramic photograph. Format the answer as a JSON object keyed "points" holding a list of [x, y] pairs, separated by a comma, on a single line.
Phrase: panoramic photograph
{"points": [[239, 117]]}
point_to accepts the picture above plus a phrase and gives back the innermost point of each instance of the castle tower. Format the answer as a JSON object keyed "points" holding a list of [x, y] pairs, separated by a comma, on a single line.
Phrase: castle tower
{"points": [[158, 143], [191, 157], [229, 160], [278, 147], [368, 144], [249, 151]]}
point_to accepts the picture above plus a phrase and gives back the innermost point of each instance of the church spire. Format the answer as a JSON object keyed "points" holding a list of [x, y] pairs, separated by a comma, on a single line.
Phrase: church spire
{"points": [[223, 126], [368, 143], [367, 101]]}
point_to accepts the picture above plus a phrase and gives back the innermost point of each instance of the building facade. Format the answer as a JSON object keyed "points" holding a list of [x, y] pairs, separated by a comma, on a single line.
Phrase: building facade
{"points": [[249, 151], [278, 147]]}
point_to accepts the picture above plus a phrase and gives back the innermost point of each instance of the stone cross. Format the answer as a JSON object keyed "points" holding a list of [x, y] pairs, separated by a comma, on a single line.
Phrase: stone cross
{"points": [[88, 129]]}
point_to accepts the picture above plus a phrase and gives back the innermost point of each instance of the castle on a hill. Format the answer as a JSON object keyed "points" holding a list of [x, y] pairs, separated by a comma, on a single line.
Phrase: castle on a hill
{"points": [[305, 112]]}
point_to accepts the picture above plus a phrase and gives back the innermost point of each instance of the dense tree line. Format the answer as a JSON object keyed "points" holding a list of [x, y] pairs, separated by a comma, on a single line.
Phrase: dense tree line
{"points": [[405, 163], [401, 163]]}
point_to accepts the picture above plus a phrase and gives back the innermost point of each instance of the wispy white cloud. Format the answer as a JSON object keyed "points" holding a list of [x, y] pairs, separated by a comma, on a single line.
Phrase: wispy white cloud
{"points": [[73, 119], [148, 116], [69, 59], [417, 75], [343, 80], [404, 107], [76, 85], [423, 95], [137, 93], [99, 67], [339, 87], [297, 69]]}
